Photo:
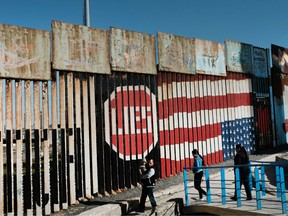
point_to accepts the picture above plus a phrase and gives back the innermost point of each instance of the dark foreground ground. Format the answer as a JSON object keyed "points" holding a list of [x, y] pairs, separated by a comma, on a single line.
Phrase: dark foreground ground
{"points": [[160, 185]]}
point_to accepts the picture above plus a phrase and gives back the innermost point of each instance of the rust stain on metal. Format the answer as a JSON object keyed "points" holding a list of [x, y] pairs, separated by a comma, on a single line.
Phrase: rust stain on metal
{"points": [[210, 58], [239, 57], [80, 48], [176, 54], [24, 53], [132, 51]]}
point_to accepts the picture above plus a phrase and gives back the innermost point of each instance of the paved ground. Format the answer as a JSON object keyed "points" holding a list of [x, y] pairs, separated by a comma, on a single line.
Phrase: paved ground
{"points": [[170, 186]]}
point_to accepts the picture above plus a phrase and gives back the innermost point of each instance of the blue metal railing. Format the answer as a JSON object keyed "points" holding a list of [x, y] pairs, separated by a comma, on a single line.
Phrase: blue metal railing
{"points": [[260, 182]]}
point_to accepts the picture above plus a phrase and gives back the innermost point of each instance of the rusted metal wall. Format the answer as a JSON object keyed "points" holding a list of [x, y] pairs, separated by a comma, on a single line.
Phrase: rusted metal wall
{"points": [[176, 54], [132, 51], [24, 53], [80, 48], [263, 108], [84, 133]]}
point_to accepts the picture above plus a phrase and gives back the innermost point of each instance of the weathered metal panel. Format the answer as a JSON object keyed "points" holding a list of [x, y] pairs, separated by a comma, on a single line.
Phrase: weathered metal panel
{"points": [[210, 58], [80, 48], [260, 62], [280, 58], [239, 57], [132, 51], [24, 53], [176, 54]]}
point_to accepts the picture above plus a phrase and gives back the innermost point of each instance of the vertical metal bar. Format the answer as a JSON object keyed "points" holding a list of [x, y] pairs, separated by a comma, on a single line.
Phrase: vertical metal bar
{"points": [[110, 159], [86, 13], [278, 185], [185, 187], [160, 82], [93, 135], [198, 116], [86, 140], [263, 181], [213, 107], [46, 150], [1, 149], [71, 150], [180, 120], [9, 148], [55, 164], [185, 123], [166, 145], [126, 136], [19, 149], [37, 150], [171, 129], [217, 93], [250, 177], [238, 188], [177, 141], [154, 100], [258, 197], [63, 154], [121, 121], [28, 199], [189, 120], [230, 117], [283, 191], [223, 186], [131, 121], [78, 143], [208, 188], [206, 123], [194, 111], [224, 119]]}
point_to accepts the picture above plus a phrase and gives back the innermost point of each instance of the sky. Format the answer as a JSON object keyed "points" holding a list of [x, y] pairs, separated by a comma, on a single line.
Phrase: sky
{"points": [[256, 22]]}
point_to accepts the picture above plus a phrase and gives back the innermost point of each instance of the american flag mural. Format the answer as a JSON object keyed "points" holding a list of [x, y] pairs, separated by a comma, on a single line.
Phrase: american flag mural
{"points": [[209, 113]]}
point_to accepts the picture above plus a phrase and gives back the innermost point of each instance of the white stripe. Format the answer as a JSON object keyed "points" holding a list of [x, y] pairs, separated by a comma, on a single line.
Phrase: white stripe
{"points": [[196, 115], [132, 120]]}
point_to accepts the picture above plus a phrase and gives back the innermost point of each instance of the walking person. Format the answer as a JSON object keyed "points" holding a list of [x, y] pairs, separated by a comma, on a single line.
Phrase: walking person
{"points": [[242, 158], [148, 185], [198, 173]]}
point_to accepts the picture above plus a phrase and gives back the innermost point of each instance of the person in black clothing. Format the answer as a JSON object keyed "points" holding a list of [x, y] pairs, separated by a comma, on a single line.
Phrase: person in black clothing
{"points": [[148, 185], [242, 158]]}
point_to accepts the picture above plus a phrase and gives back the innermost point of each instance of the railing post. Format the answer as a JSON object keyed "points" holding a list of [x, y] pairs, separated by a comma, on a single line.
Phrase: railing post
{"points": [[278, 185], [258, 197], [185, 186], [250, 177], [238, 192], [263, 180], [208, 186], [283, 191], [223, 186]]}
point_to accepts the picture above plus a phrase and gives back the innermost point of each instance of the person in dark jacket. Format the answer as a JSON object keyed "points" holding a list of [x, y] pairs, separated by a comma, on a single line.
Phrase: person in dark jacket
{"points": [[148, 185], [198, 173], [242, 158]]}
